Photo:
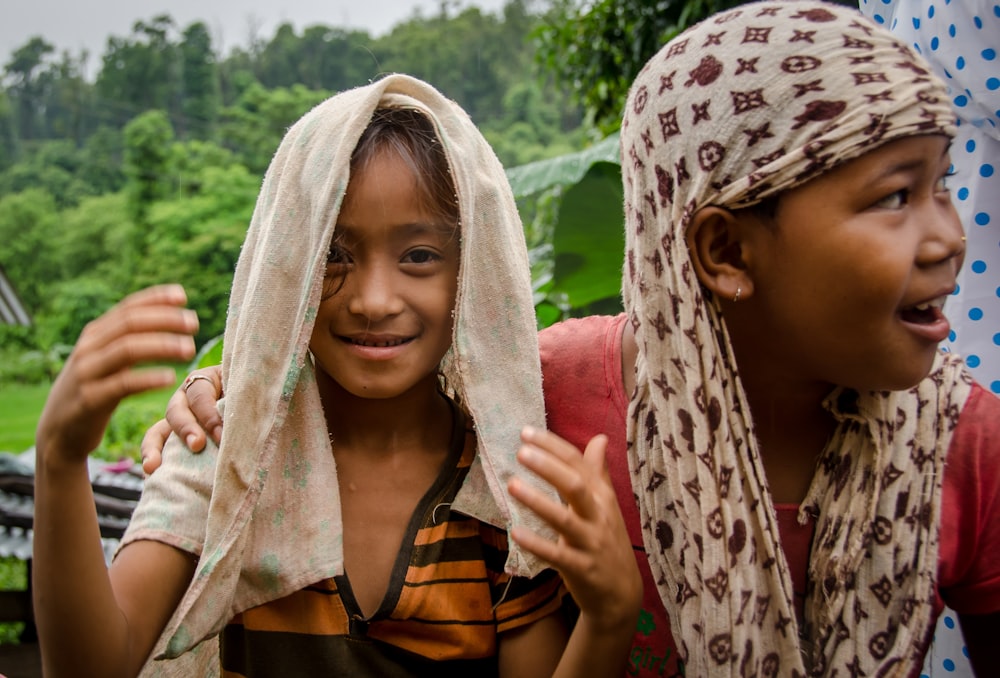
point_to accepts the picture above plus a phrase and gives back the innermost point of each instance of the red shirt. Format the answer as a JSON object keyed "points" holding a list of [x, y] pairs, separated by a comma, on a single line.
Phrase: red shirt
{"points": [[584, 396]]}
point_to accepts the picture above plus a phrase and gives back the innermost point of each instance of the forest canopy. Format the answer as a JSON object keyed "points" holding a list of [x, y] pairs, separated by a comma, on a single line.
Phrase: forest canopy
{"points": [[147, 171]]}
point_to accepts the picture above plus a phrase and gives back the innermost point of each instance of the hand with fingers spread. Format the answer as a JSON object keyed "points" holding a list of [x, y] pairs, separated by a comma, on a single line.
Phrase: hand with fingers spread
{"points": [[148, 326], [593, 552], [192, 413]]}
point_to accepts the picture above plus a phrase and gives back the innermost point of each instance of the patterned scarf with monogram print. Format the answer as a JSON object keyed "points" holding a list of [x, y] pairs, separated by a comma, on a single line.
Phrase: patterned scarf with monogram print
{"points": [[744, 106]]}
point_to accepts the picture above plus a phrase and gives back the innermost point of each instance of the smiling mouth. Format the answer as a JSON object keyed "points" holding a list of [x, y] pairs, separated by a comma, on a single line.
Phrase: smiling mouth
{"points": [[378, 344]]}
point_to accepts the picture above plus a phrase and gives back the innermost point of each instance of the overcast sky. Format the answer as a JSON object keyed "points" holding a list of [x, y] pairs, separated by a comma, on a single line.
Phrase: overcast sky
{"points": [[77, 24]]}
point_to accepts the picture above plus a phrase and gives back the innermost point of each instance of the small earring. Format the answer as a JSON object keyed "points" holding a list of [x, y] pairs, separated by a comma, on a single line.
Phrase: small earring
{"points": [[963, 238], [739, 291]]}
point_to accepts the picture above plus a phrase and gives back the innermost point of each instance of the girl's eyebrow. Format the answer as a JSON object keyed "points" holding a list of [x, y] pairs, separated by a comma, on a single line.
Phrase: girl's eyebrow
{"points": [[435, 228], [908, 164]]}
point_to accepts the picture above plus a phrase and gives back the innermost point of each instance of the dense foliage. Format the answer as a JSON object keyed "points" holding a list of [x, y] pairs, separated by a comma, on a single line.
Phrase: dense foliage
{"points": [[147, 170], [595, 49]]}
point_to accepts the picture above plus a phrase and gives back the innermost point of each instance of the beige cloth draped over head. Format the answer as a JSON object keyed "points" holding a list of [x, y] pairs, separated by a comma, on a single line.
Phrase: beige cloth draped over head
{"points": [[267, 522], [745, 105]]}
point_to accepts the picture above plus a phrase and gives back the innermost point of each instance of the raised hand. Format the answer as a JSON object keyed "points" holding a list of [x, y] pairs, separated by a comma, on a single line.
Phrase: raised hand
{"points": [[148, 326], [593, 552]]}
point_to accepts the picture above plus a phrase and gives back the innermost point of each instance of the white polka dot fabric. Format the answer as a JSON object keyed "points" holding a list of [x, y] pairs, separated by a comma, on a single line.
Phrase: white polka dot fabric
{"points": [[961, 40]]}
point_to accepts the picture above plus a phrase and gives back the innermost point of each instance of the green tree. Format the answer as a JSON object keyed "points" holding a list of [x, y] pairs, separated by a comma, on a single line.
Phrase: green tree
{"points": [[68, 100], [461, 55], [529, 127], [28, 224], [236, 75], [196, 241], [139, 73], [93, 238], [8, 133], [147, 149], [199, 83], [27, 79], [71, 305], [187, 162], [53, 166], [253, 127], [277, 65], [594, 50], [335, 59], [102, 162]]}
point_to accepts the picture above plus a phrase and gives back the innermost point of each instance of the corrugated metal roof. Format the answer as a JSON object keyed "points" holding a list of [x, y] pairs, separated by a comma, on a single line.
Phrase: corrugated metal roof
{"points": [[116, 490], [12, 312]]}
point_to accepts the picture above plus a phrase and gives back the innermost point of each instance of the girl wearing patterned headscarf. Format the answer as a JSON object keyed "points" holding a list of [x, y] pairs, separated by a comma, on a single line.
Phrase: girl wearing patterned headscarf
{"points": [[790, 244]]}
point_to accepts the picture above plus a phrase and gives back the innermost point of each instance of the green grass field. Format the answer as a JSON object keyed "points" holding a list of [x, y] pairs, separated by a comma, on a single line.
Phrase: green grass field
{"points": [[19, 409], [13, 577], [21, 405]]}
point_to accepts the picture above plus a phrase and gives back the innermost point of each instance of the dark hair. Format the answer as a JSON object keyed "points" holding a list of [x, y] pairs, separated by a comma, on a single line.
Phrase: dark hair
{"points": [[766, 210], [410, 135]]}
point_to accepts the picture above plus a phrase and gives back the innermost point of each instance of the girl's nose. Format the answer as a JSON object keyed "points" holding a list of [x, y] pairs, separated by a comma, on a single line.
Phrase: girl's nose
{"points": [[374, 293], [945, 237]]}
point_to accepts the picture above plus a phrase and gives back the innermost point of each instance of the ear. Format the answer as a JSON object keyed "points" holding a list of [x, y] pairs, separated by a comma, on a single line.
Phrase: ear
{"points": [[716, 241]]}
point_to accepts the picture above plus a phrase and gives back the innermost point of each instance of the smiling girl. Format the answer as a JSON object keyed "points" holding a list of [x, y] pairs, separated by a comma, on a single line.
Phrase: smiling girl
{"points": [[380, 362]]}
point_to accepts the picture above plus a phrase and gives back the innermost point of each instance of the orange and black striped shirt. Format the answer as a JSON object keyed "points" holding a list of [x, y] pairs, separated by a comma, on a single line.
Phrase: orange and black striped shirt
{"points": [[448, 599]]}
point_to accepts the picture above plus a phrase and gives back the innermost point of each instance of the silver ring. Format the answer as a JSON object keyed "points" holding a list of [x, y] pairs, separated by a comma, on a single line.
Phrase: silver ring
{"points": [[191, 378]]}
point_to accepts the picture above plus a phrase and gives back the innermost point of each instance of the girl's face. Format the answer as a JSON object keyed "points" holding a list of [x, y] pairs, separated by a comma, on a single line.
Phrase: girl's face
{"points": [[391, 280], [849, 283]]}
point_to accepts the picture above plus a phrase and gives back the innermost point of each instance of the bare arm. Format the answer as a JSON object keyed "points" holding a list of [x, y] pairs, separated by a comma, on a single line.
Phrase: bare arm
{"points": [[593, 554], [90, 621]]}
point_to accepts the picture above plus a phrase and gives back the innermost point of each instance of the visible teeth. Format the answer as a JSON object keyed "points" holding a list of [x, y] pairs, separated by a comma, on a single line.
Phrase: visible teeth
{"points": [[379, 344], [927, 305]]}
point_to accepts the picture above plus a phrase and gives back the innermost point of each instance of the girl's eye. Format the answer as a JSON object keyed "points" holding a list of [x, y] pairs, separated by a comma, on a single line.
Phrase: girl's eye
{"points": [[894, 200], [942, 185], [337, 256], [420, 256]]}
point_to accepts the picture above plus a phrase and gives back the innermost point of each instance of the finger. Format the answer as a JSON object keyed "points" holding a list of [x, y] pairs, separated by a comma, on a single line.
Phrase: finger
{"points": [[192, 411], [133, 321], [99, 362], [203, 397], [559, 517], [557, 446], [169, 294], [533, 543], [105, 394], [151, 448], [595, 455], [571, 476]]}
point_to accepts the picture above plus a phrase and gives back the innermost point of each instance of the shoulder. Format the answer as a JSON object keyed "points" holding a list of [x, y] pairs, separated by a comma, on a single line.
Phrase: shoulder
{"points": [[974, 452], [173, 508], [582, 377], [575, 347], [970, 529], [579, 332]]}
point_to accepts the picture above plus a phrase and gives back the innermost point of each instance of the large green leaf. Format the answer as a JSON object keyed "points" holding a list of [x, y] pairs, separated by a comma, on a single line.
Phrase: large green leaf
{"points": [[563, 170], [589, 239], [210, 354]]}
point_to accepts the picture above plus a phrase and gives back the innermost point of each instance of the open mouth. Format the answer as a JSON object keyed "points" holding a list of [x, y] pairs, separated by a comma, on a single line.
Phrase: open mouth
{"points": [[925, 313], [378, 343]]}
